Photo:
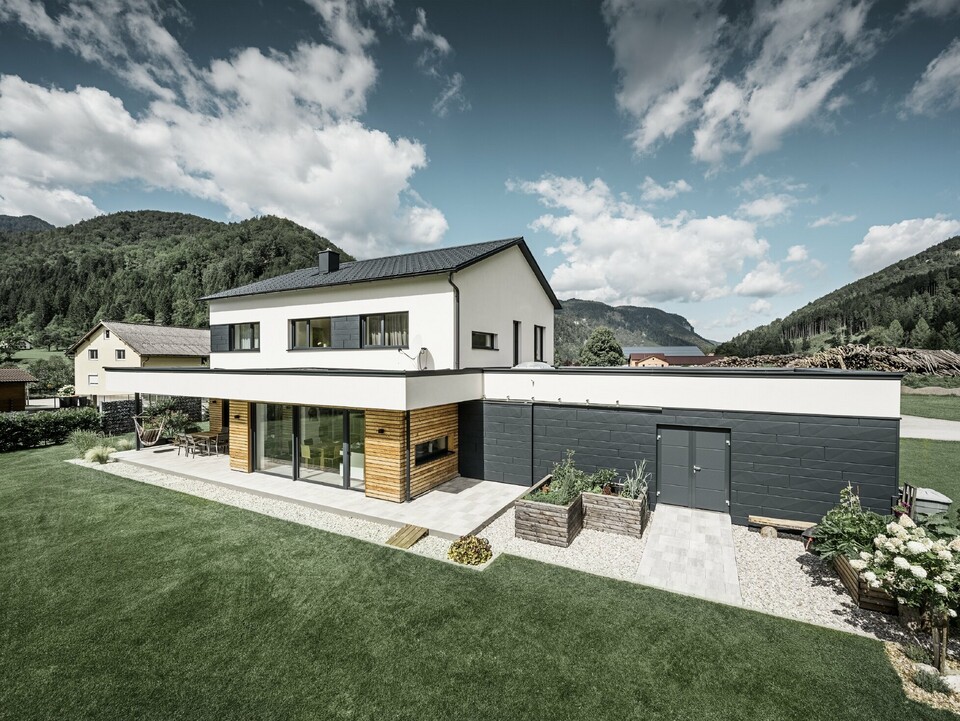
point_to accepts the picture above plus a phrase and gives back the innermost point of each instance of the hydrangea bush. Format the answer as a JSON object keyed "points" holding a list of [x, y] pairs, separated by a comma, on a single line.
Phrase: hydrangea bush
{"points": [[918, 569]]}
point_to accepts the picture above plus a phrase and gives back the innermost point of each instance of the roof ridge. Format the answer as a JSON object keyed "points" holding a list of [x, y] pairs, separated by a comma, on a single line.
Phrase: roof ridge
{"points": [[438, 248]]}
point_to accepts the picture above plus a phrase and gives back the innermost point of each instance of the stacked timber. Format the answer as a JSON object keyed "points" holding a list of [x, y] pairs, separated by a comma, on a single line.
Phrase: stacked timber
{"points": [[858, 357]]}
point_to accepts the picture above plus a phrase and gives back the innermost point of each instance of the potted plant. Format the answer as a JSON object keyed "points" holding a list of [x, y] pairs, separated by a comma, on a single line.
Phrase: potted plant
{"points": [[921, 571], [552, 513], [620, 508]]}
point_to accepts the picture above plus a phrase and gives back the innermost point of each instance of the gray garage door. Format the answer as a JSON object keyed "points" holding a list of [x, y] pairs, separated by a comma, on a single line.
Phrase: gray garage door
{"points": [[693, 468]]}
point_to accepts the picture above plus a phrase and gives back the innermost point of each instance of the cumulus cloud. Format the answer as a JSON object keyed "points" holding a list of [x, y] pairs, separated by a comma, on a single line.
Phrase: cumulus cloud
{"points": [[832, 219], [884, 245], [615, 251], [256, 132], [436, 49], [797, 254], [938, 89], [760, 306], [671, 57], [764, 281], [57, 205], [933, 8], [653, 192], [768, 207]]}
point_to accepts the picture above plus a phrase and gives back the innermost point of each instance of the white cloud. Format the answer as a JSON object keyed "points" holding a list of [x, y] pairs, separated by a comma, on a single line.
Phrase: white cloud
{"points": [[666, 54], [258, 133], [436, 49], [797, 254], [832, 219], [884, 245], [768, 207], [671, 58], [653, 192], [938, 89], [760, 306], [615, 251], [59, 206], [765, 280], [933, 8]]}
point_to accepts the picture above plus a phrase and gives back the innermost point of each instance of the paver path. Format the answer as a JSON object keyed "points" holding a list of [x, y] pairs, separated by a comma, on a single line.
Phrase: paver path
{"points": [[935, 428], [691, 551]]}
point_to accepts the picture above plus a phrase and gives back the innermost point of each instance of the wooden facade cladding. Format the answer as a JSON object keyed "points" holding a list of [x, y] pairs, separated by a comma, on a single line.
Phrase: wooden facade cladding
{"points": [[241, 455], [385, 462], [13, 397], [425, 425], [216, 414]]}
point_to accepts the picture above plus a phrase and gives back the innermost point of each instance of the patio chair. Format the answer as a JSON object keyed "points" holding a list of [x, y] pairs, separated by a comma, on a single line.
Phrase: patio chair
{"points": [[217, 443], [193, 445], [180, 442]]}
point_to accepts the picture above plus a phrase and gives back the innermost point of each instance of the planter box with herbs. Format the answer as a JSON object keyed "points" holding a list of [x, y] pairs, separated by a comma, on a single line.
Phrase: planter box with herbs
{"points": [[619, 508], [547, 522]]}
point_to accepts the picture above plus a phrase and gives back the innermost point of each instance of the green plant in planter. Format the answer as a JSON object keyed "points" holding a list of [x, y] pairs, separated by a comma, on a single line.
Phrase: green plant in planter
{"points": [[470, 550], [637, 482], [595, 482], [567, 483], [847, 529]]}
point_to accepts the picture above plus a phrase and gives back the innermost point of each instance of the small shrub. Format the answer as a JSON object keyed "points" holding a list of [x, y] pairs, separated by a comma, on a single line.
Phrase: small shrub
{"points": [[847, 529], [470, 550], [637, 482], [98, 454], [930, 682], [917, 653], [82, 441], [120, 444], [44, 428], [567, 483]]}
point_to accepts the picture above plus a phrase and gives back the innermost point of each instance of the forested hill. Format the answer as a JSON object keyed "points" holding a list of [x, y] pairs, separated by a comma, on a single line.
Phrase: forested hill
{"points": [[632, 326], [915, 302], [22, 223], [142, 265]]}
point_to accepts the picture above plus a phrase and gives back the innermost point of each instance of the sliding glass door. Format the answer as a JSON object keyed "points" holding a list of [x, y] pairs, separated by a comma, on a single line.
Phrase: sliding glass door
{"points": [[311, 443]]}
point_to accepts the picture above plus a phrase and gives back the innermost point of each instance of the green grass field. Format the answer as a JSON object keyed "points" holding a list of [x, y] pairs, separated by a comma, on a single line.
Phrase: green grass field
{"points": [[932, 464], [946, 407], [25, 356], [120, 600]]}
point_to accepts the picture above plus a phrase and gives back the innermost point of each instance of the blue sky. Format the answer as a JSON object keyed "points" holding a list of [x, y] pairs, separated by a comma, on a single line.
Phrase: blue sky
{"points": [[728, 161]]}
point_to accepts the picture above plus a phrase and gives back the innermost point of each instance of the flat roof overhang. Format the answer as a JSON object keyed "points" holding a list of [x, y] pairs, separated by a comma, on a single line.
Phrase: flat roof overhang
{"points": [[387, 390]]}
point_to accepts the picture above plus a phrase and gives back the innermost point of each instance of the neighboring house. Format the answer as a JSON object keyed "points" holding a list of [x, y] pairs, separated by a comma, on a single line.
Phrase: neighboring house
{"points": [[393, 376], [133, 345], [662, 360], [13, 389]]}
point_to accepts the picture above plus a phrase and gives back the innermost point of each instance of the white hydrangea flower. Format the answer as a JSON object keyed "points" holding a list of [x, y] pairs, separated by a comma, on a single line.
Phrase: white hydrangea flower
{"points": [[879, 557], [906, 522], [946, 577], [875, 584], [918, 572], [954, 545], [892, 528], [901, 562], [866, 556], [915, 547], [940, 588], [870, 576], [945, 555], [952, 613], [857, 564]]}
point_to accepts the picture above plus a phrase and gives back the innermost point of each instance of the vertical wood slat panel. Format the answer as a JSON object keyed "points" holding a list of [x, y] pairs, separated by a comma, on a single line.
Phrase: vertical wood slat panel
{"points": [[241, 456], [385, 467]]}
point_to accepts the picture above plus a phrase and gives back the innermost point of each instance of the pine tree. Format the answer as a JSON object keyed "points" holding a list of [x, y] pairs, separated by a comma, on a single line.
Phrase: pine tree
{"points": [[920, 335], [951, 336], [895, 333], [601, 349]]}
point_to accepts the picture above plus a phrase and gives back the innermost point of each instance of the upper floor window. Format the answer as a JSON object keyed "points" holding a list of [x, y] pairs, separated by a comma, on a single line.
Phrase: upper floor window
{"points": [[245, 336], [483, 341], [386, 330], [121, 354], [93, 354], [106, 333], [539, 333], [310, 333]]}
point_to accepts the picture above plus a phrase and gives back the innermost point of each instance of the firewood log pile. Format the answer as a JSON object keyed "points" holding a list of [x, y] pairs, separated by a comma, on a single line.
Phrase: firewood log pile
{"points": [[857, 357]]}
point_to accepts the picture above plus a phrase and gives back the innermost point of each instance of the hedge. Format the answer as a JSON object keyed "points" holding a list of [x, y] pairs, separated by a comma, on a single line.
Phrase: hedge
{"points": [[44, 428]]}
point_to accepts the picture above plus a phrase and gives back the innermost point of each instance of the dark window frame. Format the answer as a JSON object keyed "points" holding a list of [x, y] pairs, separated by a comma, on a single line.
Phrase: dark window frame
{"points": [[494, 344], [365, 319], [232, 340], [539, 341], [93, 354], [120, 354], [292, 333], [426, 452]]}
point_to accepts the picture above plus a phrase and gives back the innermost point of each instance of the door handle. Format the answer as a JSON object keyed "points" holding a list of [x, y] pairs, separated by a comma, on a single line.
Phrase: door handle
{"points": [[696, 468]]}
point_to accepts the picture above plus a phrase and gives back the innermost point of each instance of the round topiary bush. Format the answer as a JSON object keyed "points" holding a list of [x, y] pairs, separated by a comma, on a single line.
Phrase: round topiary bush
{"points": [[99, 454], [470, 550]]}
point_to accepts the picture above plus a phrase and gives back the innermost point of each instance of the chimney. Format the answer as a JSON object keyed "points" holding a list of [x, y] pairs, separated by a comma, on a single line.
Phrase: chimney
{"points": [[329, 261]]}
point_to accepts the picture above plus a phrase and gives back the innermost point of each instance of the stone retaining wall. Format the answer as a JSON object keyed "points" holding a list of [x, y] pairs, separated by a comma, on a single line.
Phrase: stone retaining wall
{"points": [[546, 522], [615, 514]]}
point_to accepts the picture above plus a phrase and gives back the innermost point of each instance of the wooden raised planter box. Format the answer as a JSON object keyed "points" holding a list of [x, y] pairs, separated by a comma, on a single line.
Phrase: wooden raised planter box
{"points": [[546, 522], [871, 599], [615, 514]]}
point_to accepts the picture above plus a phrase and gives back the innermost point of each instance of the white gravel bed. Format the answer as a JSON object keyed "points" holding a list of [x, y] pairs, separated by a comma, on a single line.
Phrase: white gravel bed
{"points": [[603, 554], [779, 577], [431, 546]]}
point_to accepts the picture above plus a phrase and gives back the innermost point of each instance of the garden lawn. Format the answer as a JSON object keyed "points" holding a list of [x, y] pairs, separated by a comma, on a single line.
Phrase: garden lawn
{"points": [[931, 464], [945, 407], [120, 600]]}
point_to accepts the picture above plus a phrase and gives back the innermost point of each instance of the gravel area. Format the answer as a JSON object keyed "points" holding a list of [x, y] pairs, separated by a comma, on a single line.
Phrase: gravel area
{"points": [[431, 546], [603, 554]]}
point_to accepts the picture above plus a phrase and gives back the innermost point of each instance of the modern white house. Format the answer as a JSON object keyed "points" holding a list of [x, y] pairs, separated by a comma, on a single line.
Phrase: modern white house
{"points": [[395, 375]]}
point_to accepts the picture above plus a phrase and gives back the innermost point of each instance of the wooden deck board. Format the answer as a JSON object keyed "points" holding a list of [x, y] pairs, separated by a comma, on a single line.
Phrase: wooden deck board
{"points": [[407, 536]]}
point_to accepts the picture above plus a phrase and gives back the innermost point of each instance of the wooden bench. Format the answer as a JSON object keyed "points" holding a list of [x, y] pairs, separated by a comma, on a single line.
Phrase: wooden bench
{"points": [[781, 524]]}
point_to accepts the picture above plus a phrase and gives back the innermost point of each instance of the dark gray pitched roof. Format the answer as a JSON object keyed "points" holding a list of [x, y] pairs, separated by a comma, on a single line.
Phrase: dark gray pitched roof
{"points": [[152, 340], [424, 262], [15, 375]]}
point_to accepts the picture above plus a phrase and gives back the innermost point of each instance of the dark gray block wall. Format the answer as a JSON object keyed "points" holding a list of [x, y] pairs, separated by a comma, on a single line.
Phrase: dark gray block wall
{"points": [[345, 331], [219, 338], [785, 466]]}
